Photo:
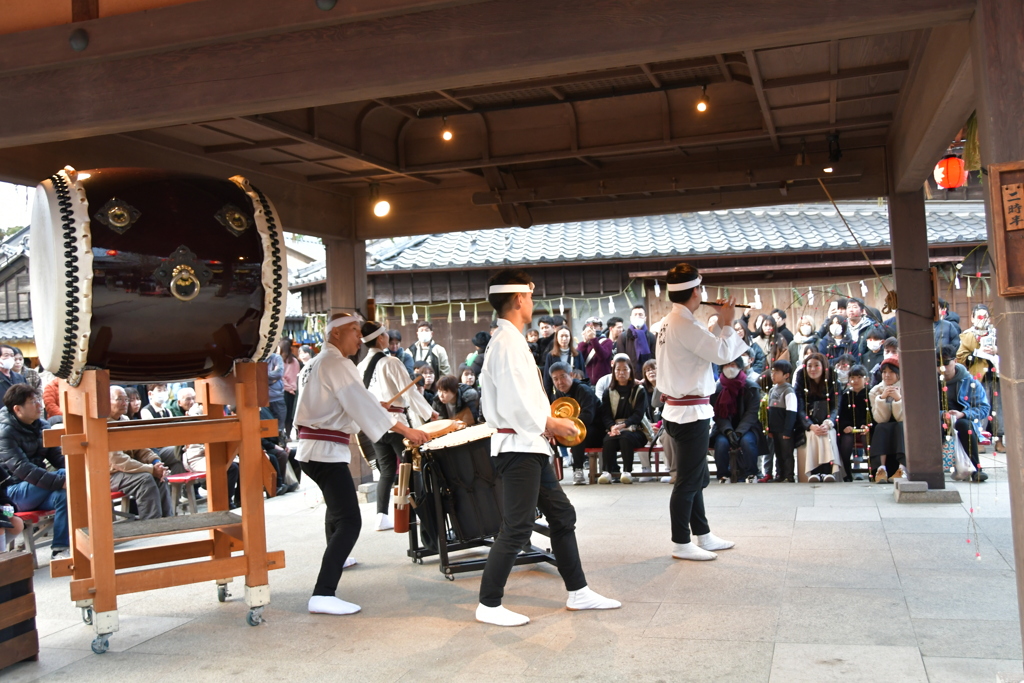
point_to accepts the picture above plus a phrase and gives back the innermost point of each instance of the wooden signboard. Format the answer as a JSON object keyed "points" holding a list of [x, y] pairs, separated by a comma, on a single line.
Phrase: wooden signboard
{"points": [[1006, 195]]}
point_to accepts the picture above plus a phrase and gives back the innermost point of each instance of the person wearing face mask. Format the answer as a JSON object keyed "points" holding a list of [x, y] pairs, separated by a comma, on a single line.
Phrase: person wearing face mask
{"points": [[805, 334], [427, 350], [736, 401], [637, 342], [841, 366], [978, 353], [8, 376], [964, 405], [871, 349], [838, 341], [157, 408]]}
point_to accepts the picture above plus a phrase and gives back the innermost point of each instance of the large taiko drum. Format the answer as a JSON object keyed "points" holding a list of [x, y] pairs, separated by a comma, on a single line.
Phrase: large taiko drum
{"points": [[154, 275]]}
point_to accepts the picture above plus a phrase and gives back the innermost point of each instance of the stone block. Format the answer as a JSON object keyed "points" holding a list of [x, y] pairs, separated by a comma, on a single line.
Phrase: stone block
{"points": [[367, 493], [944, 496], [907, 486], [1009, 678]]}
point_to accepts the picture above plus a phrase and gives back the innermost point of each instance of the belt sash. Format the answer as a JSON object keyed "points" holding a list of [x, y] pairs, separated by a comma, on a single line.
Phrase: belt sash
{"points": [[688, 401], [330, 435]]}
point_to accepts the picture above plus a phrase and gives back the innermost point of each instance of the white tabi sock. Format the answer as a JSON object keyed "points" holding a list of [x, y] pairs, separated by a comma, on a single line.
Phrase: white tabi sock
{"points": [[499, 616], [328, 604], [585, 598], [690, 551]]}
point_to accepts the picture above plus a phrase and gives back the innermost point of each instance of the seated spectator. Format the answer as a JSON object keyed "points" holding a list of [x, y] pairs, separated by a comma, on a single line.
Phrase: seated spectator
{"points": [[565, 385], [51, 402], [817, 413], [134, 403], [138, 473], [888, 453], [456, 401], [978, 353], [564, 351], [394, 348], [838, 341], [185, 403], [8, 376], [805, 336], [467, 376], [781, 423], [157, 408], [871, 351], [277, 454], [32, 486], [596, 351], [623, 408], [31, 376], [735, 425], [637, 341], [964, 405], [10, 525], [854, 417], [428, 388]]}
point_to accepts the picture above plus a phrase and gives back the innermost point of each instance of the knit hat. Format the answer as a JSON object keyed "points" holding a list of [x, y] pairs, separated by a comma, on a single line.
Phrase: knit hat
{"points": [[893, 363]]}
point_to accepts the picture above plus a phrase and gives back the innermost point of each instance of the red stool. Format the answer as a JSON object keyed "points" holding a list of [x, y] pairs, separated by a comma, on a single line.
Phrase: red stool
{"points": [[187, 480], [37, 524]]}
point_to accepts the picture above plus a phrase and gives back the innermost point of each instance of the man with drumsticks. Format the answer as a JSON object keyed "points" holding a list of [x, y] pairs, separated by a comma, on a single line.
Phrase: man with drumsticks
{"points": [[385, 376], [333, 404], [513, 401], [685, 352]]}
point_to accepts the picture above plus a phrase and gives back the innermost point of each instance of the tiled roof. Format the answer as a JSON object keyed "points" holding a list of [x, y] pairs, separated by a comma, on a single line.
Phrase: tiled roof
{"points": [[792, 228], [16, 330]]}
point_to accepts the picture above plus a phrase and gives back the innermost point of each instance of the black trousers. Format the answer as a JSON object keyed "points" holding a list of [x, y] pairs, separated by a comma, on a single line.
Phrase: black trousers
{"points": [[341, 522], [783, 447], [289, 415], [528, 482], [388, 451], [686, 506], [595, 439], [625, 443]]}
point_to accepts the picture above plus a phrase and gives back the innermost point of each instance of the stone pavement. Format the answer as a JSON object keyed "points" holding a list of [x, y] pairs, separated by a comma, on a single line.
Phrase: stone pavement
{"points": [[827, 582]]}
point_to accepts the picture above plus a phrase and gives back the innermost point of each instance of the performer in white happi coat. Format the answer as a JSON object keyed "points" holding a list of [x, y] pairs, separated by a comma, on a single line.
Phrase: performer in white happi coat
{"points": [[686, 350], [333, 405], [513, 402], [385, 376]]}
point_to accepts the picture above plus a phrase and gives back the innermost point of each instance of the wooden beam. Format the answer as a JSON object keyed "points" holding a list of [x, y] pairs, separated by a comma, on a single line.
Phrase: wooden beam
{"points": [[866, 97], [938, 100], [766, 111], [723, 67], [841, 75], [249, 145], [788, 267], [178, 27], [464, 105], [650, 76], [437, 49], [303, 136], [665, 182]]}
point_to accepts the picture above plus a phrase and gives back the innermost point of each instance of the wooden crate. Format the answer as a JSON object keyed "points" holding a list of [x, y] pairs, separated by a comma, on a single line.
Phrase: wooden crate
{"points": [[19, 640]]}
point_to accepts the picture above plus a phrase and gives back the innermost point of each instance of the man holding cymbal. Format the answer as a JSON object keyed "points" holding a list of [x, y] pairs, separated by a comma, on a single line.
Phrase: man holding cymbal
{"points": [[514, 402], [686, 350]]}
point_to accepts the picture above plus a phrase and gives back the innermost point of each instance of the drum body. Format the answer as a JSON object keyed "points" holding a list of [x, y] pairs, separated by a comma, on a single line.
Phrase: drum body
{"points": [[153, 275], [460, 463]]}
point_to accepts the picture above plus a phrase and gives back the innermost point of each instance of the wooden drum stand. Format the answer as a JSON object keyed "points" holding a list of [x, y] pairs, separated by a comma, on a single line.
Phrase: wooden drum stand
{"points": [[86, 439]]}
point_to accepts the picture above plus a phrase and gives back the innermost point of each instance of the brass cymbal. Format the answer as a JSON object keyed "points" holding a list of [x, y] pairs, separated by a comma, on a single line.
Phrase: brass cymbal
{"points": [[580, 437], [565, 408]]}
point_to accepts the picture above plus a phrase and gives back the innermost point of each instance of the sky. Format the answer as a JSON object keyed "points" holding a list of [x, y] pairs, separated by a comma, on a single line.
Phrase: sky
{"points": [[15, 208]]}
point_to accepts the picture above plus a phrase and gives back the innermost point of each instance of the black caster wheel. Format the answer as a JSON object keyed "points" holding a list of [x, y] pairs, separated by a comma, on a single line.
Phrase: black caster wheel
{"points": [[222, 592], [87, 616], [254, 617], [100, 644]]}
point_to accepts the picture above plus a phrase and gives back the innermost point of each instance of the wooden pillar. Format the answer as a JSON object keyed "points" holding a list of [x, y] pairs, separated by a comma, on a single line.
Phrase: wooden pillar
{"points": [[346, 289], [921, 425], [346, 274], [997, 53]]}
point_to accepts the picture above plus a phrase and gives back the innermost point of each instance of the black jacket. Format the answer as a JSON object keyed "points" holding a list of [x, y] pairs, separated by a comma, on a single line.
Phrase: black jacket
{"points": [[576, 362], [745, 419], [632, 410], [468, 396], [823, 406], [8, 382], [585, 396], [22, 453], [627, 345]]}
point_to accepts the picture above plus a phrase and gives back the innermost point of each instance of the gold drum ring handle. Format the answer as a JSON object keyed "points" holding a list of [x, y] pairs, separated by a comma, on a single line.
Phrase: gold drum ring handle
{"points": [[183, 276]]}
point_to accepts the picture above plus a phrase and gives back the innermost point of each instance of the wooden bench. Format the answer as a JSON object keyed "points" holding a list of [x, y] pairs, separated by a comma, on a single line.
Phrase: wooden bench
{"points": [[594, 455]]}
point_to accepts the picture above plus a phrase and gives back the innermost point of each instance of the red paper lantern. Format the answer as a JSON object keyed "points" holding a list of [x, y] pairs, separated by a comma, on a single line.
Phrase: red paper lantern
{"points": [[950, 172]]}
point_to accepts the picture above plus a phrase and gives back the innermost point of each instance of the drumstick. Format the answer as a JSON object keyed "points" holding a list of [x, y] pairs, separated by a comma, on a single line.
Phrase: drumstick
{"points": [[409, 386], [715, 303]]}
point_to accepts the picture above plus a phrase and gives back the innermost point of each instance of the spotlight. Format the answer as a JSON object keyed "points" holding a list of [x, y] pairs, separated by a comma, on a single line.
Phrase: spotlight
{"points": [[446, 132], [381, 207], [702, 103], [827, 169]]}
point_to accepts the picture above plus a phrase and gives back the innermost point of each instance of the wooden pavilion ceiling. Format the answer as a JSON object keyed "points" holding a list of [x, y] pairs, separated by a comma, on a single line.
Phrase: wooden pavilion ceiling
{"points": [[573, 144]]}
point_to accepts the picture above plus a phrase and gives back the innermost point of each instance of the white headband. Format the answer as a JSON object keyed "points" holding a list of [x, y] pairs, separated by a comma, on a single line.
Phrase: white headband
{"points": [[511, 289], [376, 333], [343, 320], [680, 286]]}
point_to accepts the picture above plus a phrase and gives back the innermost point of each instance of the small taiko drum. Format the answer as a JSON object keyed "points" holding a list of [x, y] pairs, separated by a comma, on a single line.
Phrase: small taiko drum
{"points": [[156, 276]]}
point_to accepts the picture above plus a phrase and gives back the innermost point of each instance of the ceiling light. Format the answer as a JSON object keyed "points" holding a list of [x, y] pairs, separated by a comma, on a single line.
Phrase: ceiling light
{"points": [[827, 169], [446, 132], [381, 207], [702, 103]]}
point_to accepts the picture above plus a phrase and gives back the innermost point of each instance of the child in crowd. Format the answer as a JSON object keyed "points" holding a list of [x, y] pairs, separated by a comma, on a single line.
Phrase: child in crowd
{"points": [[842, 366], [854, 417], [817, 407], [887, 435], [781, 424]]}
